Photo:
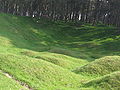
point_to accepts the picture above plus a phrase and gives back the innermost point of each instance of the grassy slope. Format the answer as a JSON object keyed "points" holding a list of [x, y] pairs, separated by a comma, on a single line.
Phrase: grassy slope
{"points": [[87, 42], [58, 59], [38, 73], [21, 39], [108, 82], [8, 84], [101, 66]]}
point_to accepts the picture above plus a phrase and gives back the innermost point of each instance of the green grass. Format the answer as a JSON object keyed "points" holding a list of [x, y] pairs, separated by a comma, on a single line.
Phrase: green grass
{"points": [[101, 66], [38, 73], [86, 41], [44, 54], [58, 59], [108, 82], [9, 84]]}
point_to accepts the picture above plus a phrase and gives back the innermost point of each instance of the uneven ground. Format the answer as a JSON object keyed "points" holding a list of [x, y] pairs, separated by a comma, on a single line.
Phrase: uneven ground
{"points": [[45, 55]]}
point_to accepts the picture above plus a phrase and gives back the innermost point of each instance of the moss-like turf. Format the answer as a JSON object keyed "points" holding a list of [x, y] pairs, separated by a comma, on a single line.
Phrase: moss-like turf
{"points": [[107, 82], [38, 73], [7, 83], [45, 55], [101, 66]]}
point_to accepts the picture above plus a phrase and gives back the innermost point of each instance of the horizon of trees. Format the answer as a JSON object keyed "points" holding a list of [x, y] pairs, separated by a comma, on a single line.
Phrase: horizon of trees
{"points": [[91, 11]]}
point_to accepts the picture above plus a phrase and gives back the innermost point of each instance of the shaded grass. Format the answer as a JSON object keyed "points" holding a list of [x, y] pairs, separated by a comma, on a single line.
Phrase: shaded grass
{"points": [[81, 41], [42, 53], [57, 59]]}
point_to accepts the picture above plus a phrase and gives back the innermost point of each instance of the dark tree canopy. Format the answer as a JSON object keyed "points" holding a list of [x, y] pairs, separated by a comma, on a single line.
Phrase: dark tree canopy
{"points": [[93, 11]]}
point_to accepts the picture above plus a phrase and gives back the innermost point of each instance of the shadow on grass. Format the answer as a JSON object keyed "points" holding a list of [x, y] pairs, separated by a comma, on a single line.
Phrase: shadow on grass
{"points": [[40, 35]]}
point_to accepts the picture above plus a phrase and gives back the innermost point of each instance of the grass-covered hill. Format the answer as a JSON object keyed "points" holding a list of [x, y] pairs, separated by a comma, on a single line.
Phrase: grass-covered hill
{"points": [[78, 40], [101, 66], [40, 54], [107, 82], [39, 74], [9, 84], [58, 59]]}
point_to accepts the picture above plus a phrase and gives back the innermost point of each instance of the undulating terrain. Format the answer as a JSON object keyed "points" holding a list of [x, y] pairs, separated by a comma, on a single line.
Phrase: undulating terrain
{"points": [[38, 54]]}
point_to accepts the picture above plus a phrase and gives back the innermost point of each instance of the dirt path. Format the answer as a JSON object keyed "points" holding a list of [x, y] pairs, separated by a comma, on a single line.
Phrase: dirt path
{"points": [[19, 82]]}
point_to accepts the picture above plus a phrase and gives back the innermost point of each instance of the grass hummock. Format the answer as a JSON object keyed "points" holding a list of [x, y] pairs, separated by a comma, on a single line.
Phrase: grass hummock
{"points": [[58, 55], [101, 66]]}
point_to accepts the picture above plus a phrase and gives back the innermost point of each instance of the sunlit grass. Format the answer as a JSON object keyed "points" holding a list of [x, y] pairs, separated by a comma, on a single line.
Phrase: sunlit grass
{"points": [[7, 83], [44, 54]]}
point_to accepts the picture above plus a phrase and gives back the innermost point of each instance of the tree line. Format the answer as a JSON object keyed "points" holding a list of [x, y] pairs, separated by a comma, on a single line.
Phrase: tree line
{"points": [[91, 11]]}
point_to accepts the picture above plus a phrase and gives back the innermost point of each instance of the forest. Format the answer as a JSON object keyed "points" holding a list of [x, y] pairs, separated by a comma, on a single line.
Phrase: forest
{"points": [[91, 11]]}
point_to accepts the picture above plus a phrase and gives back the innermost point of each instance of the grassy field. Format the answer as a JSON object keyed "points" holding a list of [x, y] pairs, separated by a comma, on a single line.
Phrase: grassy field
{"points": [[107, 82], [9, 84], [101, 66], [47, 55]]}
